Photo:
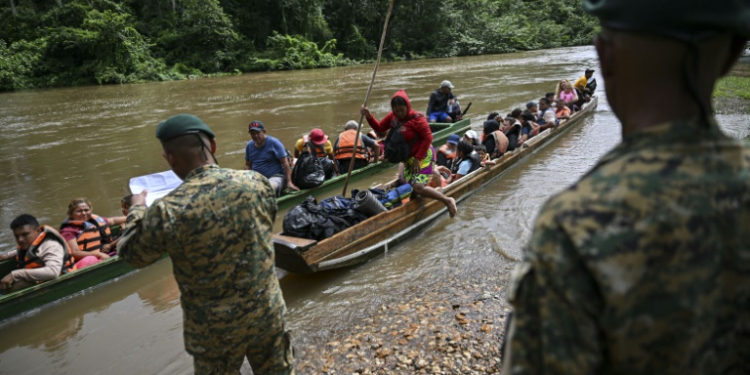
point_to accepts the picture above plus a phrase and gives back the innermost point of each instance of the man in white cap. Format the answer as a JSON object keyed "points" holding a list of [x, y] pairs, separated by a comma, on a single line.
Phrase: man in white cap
{"points": [[442, 103]]}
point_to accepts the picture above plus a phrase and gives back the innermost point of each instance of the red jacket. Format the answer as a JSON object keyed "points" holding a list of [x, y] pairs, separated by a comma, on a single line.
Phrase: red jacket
{"points": [[415, 127]]}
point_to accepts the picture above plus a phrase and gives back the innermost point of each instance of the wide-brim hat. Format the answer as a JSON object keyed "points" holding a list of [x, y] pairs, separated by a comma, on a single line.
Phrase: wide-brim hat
{"points": [[318, 137]]}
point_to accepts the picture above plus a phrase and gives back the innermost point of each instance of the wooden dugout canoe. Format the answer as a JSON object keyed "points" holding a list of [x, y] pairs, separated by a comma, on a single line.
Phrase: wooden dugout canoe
{"points": [[440, 133], [75, 282], [375, 235]]}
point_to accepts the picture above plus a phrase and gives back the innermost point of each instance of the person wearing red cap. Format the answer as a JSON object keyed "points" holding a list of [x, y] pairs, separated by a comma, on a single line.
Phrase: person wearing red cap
{"points": [[323, 148]]}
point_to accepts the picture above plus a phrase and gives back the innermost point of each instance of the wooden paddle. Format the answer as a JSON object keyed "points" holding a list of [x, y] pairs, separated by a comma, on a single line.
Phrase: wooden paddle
{"points": [[367, 98]]}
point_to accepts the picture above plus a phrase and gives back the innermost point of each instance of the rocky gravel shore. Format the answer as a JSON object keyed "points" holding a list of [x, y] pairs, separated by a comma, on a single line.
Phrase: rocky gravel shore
{"points": [[456, 327]]}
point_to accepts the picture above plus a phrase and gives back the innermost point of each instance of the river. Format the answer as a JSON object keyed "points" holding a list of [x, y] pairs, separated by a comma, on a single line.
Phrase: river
{"points": [[89, 141]]}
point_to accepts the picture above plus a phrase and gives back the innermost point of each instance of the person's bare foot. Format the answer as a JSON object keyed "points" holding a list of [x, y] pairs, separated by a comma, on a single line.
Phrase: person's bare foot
{"points": [[452, 208]]}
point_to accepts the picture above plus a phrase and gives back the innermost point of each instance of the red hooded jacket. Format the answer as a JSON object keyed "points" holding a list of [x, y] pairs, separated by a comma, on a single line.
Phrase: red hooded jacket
{"points": [[416, 126]]}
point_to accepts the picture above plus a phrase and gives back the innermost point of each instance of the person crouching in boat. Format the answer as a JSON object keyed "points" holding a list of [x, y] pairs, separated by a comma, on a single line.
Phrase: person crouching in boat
{"points": [[409, 142], [88, 235], [447, 152], [42, 255]]}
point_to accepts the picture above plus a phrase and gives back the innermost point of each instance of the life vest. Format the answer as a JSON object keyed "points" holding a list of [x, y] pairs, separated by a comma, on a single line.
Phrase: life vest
{"points": [[30, 258], [473, 158], [95, 232], [345, 145], [320, 149], [499, 149], [450, 155]]}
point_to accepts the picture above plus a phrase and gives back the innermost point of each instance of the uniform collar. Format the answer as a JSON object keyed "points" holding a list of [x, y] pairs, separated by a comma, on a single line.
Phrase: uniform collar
{"points": [[666, 135], [200, 170]]}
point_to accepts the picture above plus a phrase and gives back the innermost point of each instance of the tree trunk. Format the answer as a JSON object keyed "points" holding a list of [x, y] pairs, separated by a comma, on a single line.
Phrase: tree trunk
{"points": [[13, 7], [174, 6]]}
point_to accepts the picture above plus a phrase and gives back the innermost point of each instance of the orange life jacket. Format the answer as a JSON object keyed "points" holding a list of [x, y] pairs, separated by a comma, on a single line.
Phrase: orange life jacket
{"points": [[320, 149], [450, 155], [345, 146], [30, 258], [95, 233]]}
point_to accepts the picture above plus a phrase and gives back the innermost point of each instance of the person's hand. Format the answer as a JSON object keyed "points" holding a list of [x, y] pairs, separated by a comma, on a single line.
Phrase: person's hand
{"points": [[139, 199], [107, 248], [101, 255], [365, 112], [292, 186], [416, 168], [6, 282]]}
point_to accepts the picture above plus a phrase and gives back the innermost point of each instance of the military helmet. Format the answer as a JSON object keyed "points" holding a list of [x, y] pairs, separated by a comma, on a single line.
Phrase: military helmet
{"points": [[677, 18]]}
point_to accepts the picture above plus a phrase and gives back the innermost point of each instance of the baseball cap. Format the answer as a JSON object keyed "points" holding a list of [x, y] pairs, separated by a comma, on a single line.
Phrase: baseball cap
{"points": [[256, 125], [446, 84], [182, 124], [589, 70], [471, 134], [318, 137], [453, 139], [529, 105]]}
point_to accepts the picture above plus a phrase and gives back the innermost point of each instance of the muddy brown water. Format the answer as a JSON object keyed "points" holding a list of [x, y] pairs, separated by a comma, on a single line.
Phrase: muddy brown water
{"points": [[65, 143]]}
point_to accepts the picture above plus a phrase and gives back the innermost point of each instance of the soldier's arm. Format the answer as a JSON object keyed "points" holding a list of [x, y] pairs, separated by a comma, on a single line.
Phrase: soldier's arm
{"points": [[143, 242], [556, 305]]}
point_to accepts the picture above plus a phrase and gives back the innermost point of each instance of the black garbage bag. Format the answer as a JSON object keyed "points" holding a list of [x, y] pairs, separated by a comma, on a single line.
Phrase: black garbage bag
{"points": [[308, 171], [318, 222]]}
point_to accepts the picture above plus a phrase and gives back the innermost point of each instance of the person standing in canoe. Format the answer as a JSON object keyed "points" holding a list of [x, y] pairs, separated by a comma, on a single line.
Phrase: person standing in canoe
{"points": [[409, 142], [216, 227], [643, 265]]}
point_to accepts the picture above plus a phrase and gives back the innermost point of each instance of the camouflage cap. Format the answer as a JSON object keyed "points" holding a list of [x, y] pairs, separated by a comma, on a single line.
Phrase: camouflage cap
{"points": [[181, 124], [676, 18]]}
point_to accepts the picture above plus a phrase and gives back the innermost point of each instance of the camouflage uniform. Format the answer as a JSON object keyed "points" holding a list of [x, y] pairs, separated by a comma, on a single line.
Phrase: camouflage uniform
{"points": [[216, 228], [643, 266]]}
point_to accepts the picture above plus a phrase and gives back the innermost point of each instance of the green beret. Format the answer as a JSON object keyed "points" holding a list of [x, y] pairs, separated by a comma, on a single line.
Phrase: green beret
{"points": [[181, 124], [676, 18]]}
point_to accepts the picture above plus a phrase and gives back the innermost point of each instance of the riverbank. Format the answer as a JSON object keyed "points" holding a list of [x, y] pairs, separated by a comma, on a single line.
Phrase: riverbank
{"points": [[732, 93], [455, 328]]}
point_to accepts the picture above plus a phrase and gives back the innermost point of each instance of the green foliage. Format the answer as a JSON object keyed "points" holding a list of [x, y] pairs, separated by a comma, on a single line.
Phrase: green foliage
{"points": [[733, 87], [287, 52], [74, 42]]}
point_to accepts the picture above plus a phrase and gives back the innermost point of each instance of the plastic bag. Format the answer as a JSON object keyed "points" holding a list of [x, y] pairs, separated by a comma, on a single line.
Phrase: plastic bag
{"points": [[308, 171]]}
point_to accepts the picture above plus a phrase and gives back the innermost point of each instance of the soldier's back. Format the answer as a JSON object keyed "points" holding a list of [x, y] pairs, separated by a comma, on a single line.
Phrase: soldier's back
{"points": [[662, 226]]}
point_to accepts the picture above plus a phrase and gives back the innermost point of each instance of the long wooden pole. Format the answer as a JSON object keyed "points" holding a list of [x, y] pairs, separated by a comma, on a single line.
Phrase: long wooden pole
{"points": [[367, 98]]}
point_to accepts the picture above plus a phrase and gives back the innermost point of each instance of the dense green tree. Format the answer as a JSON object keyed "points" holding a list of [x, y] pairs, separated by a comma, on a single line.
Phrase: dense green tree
{"points": [[69, 42]]}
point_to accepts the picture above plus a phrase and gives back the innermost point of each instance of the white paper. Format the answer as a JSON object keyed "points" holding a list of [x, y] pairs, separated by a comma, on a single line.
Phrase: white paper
{"points": [[157, 184]]}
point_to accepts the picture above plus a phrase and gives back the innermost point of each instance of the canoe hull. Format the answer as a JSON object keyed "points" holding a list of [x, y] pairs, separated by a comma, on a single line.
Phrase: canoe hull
{"points": [[376, 235]]}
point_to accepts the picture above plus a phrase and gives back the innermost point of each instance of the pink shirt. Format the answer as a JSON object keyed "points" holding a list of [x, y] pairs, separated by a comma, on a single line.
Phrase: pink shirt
{"points": [[567, 96]]}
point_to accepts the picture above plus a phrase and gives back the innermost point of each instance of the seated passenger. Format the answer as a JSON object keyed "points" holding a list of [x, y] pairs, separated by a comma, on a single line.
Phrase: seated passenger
{"points": [[512, 130], [581, 84], [472, 137], [484, 157], [547, 118], [469, 162], [88, 235], [323, 148], [126, 203], [42, 255], [566, 93], [550, 96], [344, 145], [442, 103], [562, 112], [494, 142], [267, 156], [533, 110], [447, 152]]}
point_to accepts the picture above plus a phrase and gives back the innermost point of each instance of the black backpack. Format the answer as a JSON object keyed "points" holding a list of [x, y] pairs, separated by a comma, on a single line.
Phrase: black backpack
{"points": [[308, 172], [397, 149]]}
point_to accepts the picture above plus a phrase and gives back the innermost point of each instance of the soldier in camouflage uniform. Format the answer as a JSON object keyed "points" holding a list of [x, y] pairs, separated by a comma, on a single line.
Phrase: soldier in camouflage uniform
{"points": [[216, 227], [643, 266]]}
